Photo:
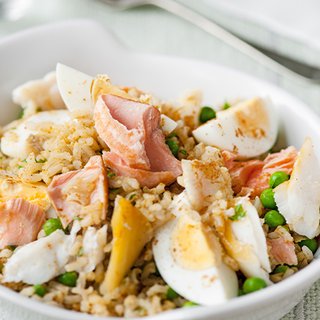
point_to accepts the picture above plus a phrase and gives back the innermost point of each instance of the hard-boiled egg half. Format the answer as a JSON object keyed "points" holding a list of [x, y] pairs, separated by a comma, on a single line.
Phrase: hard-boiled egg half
{"points": [[79, 92], [246, 242], [298, 199], [248, 129], [188, 257], [18, 142]]}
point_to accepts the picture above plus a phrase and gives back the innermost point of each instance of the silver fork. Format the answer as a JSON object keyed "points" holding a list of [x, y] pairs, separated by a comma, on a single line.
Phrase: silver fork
{"points": [[304, 73]]}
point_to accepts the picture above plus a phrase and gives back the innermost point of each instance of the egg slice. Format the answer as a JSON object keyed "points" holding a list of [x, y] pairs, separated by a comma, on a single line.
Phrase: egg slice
{"points": [[188, 257], [19, 141], [41, 260], [246, 242], [167, 124], [74, 87], [35, 193], [248, 129], [298, 199]]}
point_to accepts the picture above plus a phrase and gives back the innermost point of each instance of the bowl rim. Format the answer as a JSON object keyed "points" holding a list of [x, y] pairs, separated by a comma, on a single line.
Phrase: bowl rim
{"points": [[309, 274]]}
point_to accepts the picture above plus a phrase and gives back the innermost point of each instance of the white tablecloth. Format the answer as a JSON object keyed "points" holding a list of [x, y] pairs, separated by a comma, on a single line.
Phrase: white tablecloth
{"points": [[153, 30]]}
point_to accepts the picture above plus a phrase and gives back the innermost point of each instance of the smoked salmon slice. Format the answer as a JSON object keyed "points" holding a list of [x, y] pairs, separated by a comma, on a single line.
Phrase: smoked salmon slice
{"points": [[137, 144], [20, 222], [255, 174], [281, 247], [81, 193]]}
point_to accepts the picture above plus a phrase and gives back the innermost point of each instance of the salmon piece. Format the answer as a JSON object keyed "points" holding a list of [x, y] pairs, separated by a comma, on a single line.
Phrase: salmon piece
{"points": [[122, 129], [255, 174], [281, 247], [137, 144], [145, 178], [20, 222], [81, 193]]}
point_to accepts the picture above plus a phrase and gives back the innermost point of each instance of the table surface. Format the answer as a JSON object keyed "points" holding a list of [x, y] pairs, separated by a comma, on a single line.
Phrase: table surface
{"points": [[153, 30]]}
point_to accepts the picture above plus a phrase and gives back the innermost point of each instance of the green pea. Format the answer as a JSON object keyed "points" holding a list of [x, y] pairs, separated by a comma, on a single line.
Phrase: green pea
{"points": [[253, 284], [267, 199], [206, 114], [39, 290], [171, 294], [312, 244], [278, 178], [173, 146], [280, 269], [68, 278], [52, 225], [273, 219], [188, 304]]}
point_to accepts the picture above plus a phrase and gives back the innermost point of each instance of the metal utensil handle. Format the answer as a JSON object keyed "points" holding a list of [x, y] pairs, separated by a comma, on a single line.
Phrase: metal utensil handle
{"points": [[212, 28]]}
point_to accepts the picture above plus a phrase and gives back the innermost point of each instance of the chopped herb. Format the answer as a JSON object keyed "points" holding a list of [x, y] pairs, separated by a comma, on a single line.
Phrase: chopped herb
{"points": [[80, 252], [173, 146], [20, 167], [41, 160], [39, 290], [184, 152], [21, 114], [239, 213], [111, 174], [171, 294], [171, 135], [132, 196], [12, 248], [226, 106], [114, 190], [188, 304], [77, 218], [24, 160], [280, 269]]}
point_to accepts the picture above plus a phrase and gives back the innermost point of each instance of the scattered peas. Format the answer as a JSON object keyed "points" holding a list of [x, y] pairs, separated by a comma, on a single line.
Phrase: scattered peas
{"points": [[206, 114], [267, 199], [52, 225], [253, 284], [171, 294], [273, 219], [188, 304], [239, 213], [68, 278], [173, 146], [280, 269], [39, 290], [312, 244], [278, 178]]}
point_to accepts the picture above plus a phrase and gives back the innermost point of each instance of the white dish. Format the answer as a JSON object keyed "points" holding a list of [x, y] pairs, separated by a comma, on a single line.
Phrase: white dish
{"points": [[88, 47]]}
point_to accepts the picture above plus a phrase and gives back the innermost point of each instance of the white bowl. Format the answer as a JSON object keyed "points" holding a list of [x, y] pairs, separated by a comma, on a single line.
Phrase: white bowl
{"points": [[87, 46]]}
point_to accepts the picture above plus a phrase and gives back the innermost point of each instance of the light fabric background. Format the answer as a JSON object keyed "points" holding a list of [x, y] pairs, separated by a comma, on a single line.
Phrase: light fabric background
{"points": [[152, 30]]}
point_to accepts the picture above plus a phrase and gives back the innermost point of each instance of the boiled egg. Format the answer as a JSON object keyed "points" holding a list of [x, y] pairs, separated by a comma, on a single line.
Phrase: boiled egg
{"points": [[167, 124], [188, 257], [246, 241], [35, 193], [79, 92], [298, 199], [248, 129], [74, 87], [41, 260], [19, 141]]}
